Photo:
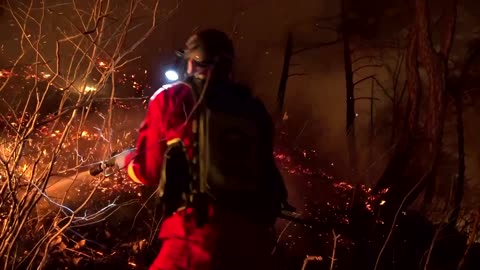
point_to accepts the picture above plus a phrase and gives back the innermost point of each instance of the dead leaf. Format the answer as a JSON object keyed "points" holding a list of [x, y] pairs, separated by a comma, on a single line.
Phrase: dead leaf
{"points": [[142, 244], [62, 246], [80, 243], [77, 260], [57, 241]]}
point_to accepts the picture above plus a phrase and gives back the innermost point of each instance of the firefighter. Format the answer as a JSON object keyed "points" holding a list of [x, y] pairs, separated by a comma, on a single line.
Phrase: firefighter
{"points": [[238, 231]]}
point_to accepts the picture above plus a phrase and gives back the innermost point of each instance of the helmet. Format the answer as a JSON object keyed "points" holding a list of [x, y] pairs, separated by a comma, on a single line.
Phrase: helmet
{"points": [[210, 47]]}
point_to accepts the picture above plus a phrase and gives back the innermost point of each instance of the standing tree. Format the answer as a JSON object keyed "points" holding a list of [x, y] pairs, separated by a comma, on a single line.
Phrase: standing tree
{"points": [[414, 163], [352, 23], [457, 88], [282, 88], [289, 53]]}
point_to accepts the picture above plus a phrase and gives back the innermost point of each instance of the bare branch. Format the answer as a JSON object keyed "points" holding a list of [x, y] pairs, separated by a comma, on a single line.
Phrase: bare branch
{"points": [[128, 61], [140, 40], [332, 258], [318, 46], [296, 74], [364, 79], [383, 88], [368, 98], [366, 66], [97, 23], [369, 57]]}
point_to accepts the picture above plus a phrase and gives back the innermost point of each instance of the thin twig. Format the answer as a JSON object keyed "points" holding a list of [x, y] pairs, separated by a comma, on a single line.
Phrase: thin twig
{"points": [[332, 258]]}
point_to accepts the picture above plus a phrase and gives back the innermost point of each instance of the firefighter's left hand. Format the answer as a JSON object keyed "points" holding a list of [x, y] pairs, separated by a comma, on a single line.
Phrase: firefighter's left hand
{"points": [[122, 159]]}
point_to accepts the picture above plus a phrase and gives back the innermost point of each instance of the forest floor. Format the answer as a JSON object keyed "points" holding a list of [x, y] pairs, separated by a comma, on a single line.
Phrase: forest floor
{"points": [[323, 203], [127, 237]]}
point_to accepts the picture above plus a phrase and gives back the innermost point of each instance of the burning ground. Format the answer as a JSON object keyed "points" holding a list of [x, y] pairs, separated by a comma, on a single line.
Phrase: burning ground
{"points": [[118, 225]]}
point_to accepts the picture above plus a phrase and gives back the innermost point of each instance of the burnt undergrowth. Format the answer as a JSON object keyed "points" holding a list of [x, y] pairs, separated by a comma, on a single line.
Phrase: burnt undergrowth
{"points": [[127, 239], [124, 235]]}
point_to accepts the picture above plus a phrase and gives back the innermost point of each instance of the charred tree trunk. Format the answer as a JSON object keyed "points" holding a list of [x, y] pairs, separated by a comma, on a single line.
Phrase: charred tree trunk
{"points": [[398, 163], [287, 56], [349, 84], [413, 165], [350, 87], [372, 111], [458, 91], [435, 64], [350, 108], [371, 137], [460, 180], [397, 98]]}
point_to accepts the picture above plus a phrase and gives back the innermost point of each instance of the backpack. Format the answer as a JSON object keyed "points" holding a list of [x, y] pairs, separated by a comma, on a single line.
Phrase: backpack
{"points": [[229, 161], [229, 142]]}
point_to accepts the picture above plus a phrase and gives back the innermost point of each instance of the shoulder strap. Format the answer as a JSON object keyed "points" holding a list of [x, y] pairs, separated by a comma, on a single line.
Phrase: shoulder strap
{"points": [[199, 166], [199, 196]]}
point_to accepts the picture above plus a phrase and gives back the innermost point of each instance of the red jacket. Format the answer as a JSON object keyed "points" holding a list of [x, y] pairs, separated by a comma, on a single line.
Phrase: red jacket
{"points": [[167, 119]]}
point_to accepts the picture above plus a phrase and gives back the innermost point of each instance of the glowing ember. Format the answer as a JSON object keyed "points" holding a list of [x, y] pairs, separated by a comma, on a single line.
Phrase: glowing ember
{"points": [[90, 89], [368, 206], [343, 185], [4, 74], [132, 264]]}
